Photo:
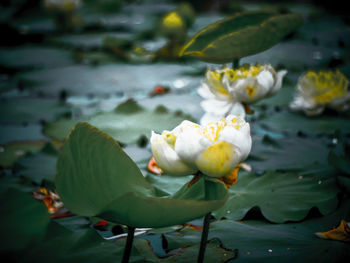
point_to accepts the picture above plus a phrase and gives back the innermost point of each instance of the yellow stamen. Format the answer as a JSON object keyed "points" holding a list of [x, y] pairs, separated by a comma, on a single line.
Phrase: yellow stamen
{"points": [[327, 85], [250, 90]]}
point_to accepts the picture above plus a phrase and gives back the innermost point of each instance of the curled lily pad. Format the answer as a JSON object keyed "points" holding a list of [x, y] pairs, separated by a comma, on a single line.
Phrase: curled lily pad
{"points": [[240, 35], [96, 178]]}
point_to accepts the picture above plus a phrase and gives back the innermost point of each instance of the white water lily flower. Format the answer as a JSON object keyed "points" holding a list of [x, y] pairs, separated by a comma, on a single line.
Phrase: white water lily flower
{"points": [[227, 90], [316, 91], [214, 149]]}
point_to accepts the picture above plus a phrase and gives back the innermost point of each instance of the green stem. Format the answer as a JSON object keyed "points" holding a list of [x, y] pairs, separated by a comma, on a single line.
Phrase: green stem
{"points": [[204, 237], [235, 63], [128, 245]]}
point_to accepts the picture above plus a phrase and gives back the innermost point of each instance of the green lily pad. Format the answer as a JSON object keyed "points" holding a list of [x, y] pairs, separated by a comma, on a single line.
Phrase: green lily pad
{"points": [[18, 133], [341, 160], [11, 152], [28, 57], [38, 167], [126, 124], [22, 220], [131, 80], [258, 241], [281, 197], [294, 122], [89, 41], [22, 110], [240, 35], [288, 153], [96, 178]]}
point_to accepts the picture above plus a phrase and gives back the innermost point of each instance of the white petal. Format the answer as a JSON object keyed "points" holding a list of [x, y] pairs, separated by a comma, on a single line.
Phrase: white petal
{"points": [[184, 125], [247, 90], [278, 84], [265, 79], [209, 117], [217, 107], [166, 158], [309, 107], [237, 109], [205, 92], [240, 138], [190, 144]]}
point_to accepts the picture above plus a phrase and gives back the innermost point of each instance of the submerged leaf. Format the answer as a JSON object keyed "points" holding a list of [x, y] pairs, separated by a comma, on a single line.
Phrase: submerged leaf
{"points": [[240, 35]]}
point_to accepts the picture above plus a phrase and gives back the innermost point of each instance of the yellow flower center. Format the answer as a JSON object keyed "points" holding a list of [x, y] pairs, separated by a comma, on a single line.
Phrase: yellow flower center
{"points": [[250, 90], [328, 85], [243, 72], [212, 130], [169, 138], [216, 159], [215, 80]]}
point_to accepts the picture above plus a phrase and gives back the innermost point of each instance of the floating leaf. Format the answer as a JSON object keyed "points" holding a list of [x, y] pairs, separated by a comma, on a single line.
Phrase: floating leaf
{"points": [[295, 122], [11, 152], [127, 123], [40, 166], [288, 153], [22, 110], [130, 80], [240, 35], [281, 197], [27, 57], [11, 133], [258, 241], [96, 178]]}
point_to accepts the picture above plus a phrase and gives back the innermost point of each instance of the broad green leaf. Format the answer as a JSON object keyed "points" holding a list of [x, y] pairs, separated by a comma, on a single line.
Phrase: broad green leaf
{"points": [[281, 197], [259, 241], [240, 35], [96, 178], [127, 123]]}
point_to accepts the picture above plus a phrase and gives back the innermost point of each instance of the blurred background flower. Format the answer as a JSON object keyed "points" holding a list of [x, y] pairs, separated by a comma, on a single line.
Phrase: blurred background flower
{"points": [[316, 91]]}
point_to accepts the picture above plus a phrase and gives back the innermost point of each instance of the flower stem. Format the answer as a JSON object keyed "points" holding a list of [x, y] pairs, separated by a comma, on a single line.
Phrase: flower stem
{"points": [[204, 237], [235, 63], [128, 245]]}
